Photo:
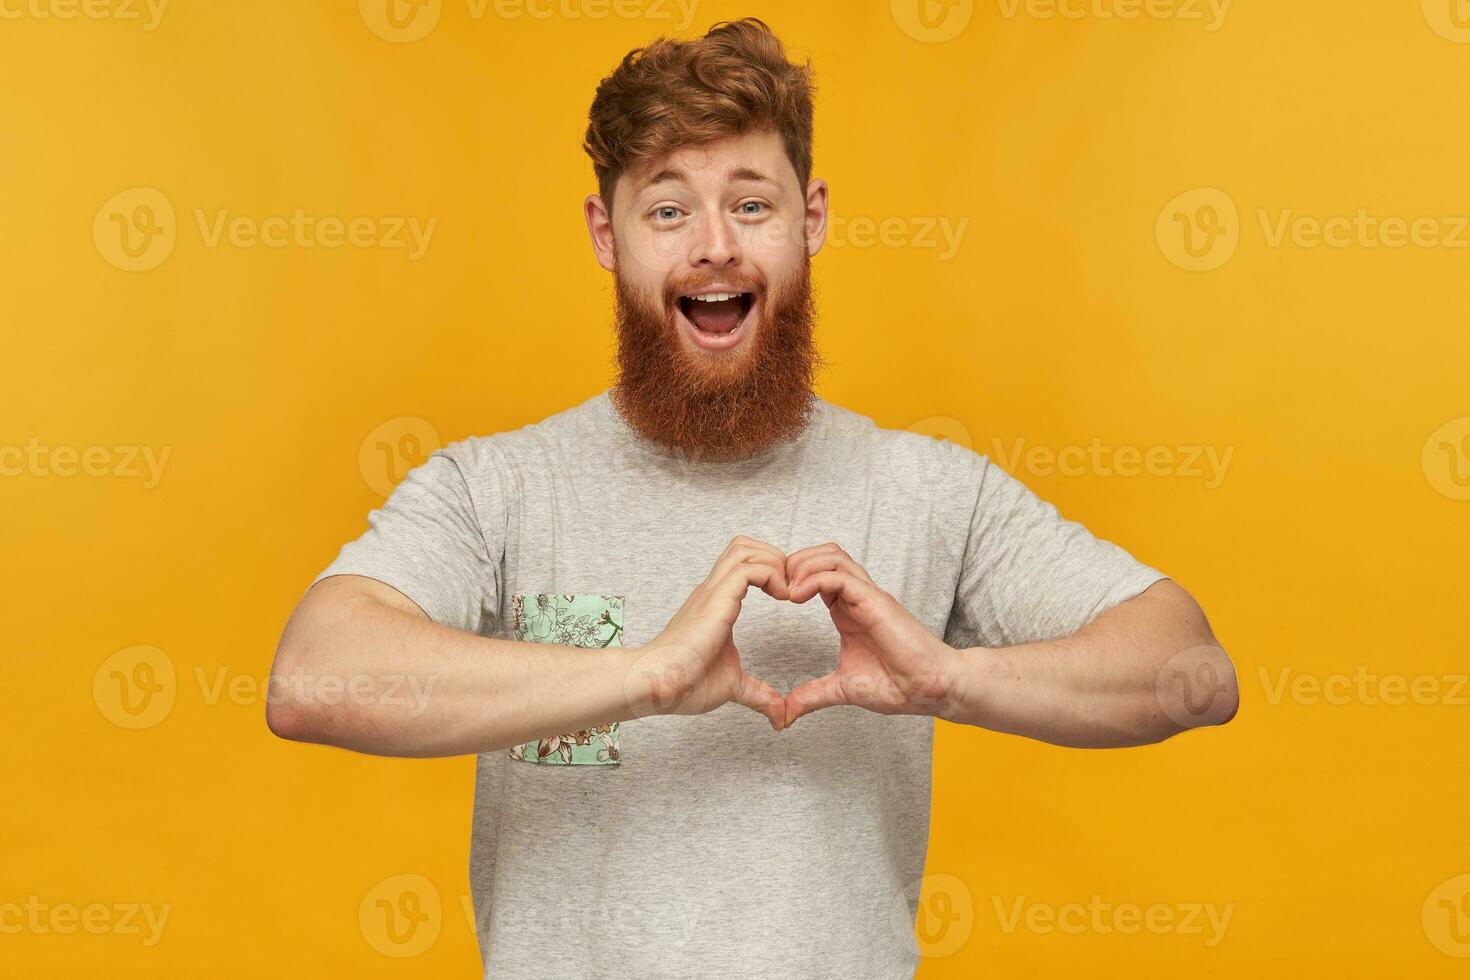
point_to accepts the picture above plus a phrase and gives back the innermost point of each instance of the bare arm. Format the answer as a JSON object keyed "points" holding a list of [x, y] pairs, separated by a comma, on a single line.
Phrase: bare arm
{"points": [[360, 666], [1144, 670]]}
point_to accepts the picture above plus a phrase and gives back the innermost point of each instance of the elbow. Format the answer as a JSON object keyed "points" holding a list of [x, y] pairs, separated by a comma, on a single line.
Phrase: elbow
{"points": [[288, 720], [1226, 701], [291, 712], [1196, 688]]}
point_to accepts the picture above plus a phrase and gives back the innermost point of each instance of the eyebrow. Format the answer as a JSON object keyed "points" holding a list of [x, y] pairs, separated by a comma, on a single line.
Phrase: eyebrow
{"points": [[674, 174]]}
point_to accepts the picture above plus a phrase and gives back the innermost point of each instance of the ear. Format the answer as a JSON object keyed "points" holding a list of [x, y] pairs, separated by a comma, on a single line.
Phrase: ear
{"points": [[599, 226], [816, 215]]}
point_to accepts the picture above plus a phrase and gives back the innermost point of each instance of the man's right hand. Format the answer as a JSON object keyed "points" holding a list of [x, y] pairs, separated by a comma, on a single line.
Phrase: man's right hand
{"points": [[692, 666]]}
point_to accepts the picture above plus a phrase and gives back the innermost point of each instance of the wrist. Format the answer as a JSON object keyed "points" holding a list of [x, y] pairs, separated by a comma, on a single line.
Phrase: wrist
{"points": [[968, 677], [657, 682]]}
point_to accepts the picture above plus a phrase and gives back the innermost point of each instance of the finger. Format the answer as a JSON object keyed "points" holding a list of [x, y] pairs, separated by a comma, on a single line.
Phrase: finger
{"points": [[741, 542], [753, 552], [726, 594], [833, 584], [759, 696], [823, 562], [801, 554], [776, 585], [820, 692]]}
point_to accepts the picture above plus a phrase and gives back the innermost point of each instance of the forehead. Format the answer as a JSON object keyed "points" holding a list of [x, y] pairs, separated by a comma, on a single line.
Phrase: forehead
{"points": [[754, 157]]}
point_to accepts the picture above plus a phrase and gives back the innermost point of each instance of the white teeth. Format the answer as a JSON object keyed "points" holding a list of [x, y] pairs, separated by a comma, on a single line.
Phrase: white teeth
{"points": [[715, 297]]}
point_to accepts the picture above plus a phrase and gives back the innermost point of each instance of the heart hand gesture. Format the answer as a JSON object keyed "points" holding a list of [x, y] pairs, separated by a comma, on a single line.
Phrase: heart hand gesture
{"points": [[888, 661]]}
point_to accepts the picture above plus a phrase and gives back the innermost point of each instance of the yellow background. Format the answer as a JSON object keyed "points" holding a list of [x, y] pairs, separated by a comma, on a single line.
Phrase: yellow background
{"points": [[1333, 544]]}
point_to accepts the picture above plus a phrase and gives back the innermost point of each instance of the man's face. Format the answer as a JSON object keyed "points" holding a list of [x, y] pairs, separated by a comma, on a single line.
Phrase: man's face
{"points": [[711, 247]]}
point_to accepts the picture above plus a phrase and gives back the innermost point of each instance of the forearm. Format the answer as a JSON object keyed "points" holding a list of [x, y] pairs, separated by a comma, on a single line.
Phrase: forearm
{"points": [[1111, 684], [358, 673]]}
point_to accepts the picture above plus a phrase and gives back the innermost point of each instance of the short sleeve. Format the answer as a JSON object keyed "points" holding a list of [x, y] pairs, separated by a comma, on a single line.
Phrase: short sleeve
{"points": [[1029, 574], [436, 542]]}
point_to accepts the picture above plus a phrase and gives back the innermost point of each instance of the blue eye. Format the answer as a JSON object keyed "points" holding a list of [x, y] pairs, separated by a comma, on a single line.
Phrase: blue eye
{"points": [[659, 212], [759, 204]]}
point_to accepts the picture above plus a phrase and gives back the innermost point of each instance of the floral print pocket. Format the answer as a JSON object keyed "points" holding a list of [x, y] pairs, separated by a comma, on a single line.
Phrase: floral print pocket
{"points": [[575, 620]]}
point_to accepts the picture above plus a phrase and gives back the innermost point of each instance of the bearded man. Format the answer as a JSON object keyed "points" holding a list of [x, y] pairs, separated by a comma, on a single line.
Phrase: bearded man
{"points": [[647, 803]]}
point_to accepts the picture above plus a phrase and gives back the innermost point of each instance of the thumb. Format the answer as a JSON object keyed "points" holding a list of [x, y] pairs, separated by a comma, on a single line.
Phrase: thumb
{"points": [[759, 696], [820, 692]]}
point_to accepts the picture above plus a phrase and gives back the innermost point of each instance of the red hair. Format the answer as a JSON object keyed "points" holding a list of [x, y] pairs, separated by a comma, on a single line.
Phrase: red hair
{"points": [[733, 80]]}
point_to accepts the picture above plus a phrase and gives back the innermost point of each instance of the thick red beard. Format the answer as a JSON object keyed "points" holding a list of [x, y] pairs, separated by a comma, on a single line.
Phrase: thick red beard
{"points": [[717, 405]]}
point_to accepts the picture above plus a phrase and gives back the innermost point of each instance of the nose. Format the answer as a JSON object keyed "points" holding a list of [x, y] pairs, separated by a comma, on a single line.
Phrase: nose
{"points": [[715, 245]]}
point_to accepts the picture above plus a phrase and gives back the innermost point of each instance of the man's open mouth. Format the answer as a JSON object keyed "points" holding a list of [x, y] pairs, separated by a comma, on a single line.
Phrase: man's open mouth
{"points": [[716, 313]]}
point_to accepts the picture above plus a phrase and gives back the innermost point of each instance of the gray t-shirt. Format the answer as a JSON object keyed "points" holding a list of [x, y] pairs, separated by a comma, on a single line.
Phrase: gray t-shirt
{"points": [[712, 845]]}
